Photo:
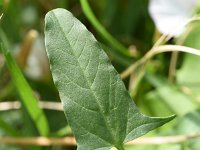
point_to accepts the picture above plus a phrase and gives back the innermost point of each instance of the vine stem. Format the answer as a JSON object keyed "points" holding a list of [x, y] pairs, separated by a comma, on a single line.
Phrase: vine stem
{"points": [[175, 55], [106, 35], [10, 105], [156, 50], [137, 76], [46, 141]]}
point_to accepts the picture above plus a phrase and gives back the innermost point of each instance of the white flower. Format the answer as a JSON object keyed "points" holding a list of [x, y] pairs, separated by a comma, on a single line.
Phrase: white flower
{"points": [[171, 16]]}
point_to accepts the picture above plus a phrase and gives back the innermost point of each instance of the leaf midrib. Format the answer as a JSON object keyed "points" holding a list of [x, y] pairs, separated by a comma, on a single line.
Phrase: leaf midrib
{"points": [[101, 111]]}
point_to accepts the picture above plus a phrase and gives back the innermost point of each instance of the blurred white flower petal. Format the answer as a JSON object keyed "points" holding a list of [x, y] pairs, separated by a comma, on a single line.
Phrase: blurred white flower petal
{"points": [[171, 16]]}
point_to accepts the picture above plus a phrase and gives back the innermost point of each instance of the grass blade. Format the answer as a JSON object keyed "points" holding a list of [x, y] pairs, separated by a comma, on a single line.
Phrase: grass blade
{"points": [[26, 93]]}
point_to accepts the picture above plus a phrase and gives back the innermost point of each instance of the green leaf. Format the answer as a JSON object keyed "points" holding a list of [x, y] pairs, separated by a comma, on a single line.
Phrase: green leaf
{"points": [[27, 97], [172, 97], [189, 124], [96, 103]]}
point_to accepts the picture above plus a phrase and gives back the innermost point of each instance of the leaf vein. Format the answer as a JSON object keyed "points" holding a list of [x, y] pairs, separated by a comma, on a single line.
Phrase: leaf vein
{"points": [[82, 69]]}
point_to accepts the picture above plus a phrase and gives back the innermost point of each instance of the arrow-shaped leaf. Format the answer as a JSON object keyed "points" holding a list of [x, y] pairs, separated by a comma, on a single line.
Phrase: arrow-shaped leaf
{"points": [[96, 103]]}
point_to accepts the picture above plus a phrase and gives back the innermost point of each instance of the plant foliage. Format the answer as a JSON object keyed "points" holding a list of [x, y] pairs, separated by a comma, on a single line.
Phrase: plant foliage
{"points": [[96, 103]]}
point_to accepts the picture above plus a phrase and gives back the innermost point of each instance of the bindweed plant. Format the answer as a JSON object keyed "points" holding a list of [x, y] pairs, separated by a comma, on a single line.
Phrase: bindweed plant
{"points": [[98, 108], [81, 102]]}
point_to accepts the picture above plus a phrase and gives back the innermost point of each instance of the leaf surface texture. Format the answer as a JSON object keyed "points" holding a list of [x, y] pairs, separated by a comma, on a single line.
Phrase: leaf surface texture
{"points": [[96, 103]]}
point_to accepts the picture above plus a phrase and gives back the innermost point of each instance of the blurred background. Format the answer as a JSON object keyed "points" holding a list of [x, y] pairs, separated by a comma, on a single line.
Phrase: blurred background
{"points": [[156, 89]]}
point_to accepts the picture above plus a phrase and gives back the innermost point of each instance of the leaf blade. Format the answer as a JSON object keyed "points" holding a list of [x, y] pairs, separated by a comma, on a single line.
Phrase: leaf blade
{"points": [[27, 97], [94, 97]]}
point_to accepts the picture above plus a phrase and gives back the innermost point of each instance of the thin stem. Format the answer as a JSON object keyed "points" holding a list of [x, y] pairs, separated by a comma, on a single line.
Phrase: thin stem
{"points": [[1, 16], [193, 19], [155, 51], [174, 57], [137, 76], [172, 66], [4, 106], [135, 81], [171, 48], [164, 140], [46, 141], [163, 39], [106, 35], [41, 141]]}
